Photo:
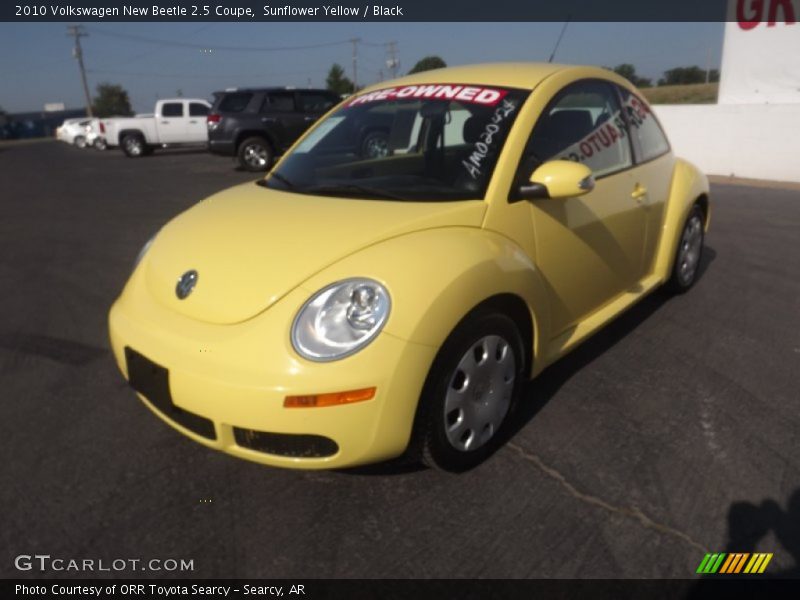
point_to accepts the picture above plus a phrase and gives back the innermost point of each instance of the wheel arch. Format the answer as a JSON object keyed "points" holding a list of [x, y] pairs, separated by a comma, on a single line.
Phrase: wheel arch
{"points": [[689, 187], [242, 135], [126, 132]]}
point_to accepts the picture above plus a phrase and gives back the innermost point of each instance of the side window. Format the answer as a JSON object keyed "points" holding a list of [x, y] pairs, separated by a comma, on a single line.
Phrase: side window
{"points": [[172, 109], [278, 101], [197, 110], [316, 102], [652, 141], [583, 123], [236, 102]]}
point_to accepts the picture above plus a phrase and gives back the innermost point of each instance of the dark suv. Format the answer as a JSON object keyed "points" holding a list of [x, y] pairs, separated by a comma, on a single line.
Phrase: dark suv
{"points": [[257, 124]]}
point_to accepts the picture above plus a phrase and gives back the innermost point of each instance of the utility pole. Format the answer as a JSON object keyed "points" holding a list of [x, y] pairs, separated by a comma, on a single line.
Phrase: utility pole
{"points": [[77, 32], [708, 63], [392, 62], [355, 41]]}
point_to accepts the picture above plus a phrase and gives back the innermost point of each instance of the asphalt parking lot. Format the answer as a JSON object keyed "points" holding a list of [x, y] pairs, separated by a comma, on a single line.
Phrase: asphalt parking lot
{"points": [[673, 432]]}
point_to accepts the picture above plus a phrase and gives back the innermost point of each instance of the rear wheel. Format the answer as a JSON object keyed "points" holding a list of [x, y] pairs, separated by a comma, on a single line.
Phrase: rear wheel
{"points": [[688, 253], [100, 144], [469, 393], [255, 154], [79, 141], [133, 145]]}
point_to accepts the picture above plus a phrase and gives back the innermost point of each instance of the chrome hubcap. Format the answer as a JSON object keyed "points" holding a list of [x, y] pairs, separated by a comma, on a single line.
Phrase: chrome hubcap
{"points": [[134, 147], [689, 252], [377, 148], [255, 155], [479, 393]]}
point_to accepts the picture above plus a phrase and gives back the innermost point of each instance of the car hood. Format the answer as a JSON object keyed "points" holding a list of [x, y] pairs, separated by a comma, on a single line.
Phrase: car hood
{"points": [[251, 245]]}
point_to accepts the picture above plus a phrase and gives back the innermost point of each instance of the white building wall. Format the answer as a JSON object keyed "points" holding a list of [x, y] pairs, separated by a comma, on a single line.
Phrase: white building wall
{"points": [[761, 141]]}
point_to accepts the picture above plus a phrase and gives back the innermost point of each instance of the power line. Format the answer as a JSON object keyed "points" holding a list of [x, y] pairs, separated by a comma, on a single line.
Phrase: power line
{"points": [[149, 40], [355, 41], [77, 32], [560, 35]]}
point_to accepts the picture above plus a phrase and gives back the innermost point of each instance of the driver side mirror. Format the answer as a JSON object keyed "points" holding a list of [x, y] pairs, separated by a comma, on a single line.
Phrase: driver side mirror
{"points": [[558, 179]]}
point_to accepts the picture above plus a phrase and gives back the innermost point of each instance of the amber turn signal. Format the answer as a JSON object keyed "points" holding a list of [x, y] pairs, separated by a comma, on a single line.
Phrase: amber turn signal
{"points": [[333, 399]]}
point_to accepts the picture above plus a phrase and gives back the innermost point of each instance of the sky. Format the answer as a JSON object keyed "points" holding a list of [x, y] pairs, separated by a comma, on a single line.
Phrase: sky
{"points": [[37, 67]]}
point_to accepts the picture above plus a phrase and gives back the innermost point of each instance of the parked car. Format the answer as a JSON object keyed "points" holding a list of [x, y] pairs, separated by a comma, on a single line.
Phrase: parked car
{"points": [[96, 134], [73, 131], [257, 124], [348, 309], [176, 122]]}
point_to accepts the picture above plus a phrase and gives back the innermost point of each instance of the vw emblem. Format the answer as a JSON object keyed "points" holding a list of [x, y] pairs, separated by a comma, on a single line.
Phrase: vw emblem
{"points": [[186, 284]]}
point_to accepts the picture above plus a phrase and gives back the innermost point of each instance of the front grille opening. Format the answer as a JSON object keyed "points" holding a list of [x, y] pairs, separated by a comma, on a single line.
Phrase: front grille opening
{"points": [[286, 444]]}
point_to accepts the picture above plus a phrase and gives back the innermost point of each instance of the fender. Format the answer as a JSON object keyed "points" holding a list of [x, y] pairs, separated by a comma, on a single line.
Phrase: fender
{"points": [[455, 269], [125, 132], [688, 185]]}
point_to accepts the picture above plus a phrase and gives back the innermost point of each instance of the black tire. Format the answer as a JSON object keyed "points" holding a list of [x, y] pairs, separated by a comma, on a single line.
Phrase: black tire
{"points": [[443, 423], [255, 154], [100, 144], [688, 254], [79, 141], [375, 145], [133, 145]]}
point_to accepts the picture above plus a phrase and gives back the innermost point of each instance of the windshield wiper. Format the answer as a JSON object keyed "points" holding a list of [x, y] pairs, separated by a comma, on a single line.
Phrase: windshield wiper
{"points": [[345, 189], [279, 177]]}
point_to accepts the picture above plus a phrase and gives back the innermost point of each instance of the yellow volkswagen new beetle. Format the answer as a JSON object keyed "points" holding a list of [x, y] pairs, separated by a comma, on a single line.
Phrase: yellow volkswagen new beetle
{"points": [[418, 255]]}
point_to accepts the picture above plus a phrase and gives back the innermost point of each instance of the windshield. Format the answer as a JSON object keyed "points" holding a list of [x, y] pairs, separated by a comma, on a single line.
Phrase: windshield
{"points": [[423, 143]]}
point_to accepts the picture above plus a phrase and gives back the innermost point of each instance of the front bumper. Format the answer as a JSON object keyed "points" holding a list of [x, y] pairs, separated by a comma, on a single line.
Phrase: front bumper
{"points": [[237, 376]]}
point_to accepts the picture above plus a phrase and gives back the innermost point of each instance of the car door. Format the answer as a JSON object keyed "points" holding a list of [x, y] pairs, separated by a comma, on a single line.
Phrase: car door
{"points": [[315, 103], [171, 123], [653, 172], [281, 117], [588, 248], [196, 129]]}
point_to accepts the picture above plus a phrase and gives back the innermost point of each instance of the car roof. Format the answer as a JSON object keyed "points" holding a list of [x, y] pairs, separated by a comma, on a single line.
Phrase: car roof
{"points": [[523, 75]]}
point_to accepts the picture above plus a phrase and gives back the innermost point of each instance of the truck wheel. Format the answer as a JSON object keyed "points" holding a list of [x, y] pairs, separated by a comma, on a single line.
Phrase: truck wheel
{"points": [[255, 154], [473, 385], [133, 145], [375, 145], [79, 141]]}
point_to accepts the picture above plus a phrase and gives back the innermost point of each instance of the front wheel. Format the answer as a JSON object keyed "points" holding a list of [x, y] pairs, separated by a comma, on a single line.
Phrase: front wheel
{"points": [[473, 384], [255, 154], [688, 253], [375, 145], [79, 141]]}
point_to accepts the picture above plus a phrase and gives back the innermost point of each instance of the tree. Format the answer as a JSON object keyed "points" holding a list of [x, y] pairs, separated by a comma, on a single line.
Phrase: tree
{"points": [[337, 82], [112, 100], [683, 76], [428, 63], [628, 71]]}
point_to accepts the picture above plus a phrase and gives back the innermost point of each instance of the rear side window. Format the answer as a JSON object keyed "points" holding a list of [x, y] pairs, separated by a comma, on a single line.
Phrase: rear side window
{"points": [[316, 101], [172, 109], [278, 101], [644, 126], [233, 103], [197, 110]]}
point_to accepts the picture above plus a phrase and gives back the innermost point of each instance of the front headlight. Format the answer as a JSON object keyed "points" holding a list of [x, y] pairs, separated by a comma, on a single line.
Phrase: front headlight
{"points": [[340, 319]]}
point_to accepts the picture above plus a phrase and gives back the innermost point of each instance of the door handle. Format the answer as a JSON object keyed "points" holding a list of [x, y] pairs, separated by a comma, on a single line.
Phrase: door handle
{"points": [[165, 122], [639, 192], [267, 119], [192, 122], [310, 119]]}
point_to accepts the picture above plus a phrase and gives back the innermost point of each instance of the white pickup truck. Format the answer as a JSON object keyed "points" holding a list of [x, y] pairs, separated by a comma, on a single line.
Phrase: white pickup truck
{"points": [[176, 122]]}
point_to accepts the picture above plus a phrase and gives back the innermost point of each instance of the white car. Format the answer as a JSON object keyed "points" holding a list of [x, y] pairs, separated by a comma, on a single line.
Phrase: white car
{"points": [[73, 131], [176, 122]]}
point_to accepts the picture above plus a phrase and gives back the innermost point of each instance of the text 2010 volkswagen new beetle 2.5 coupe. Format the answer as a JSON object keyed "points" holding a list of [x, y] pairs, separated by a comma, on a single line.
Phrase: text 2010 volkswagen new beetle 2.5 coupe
{"points": [[347, 309]]}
